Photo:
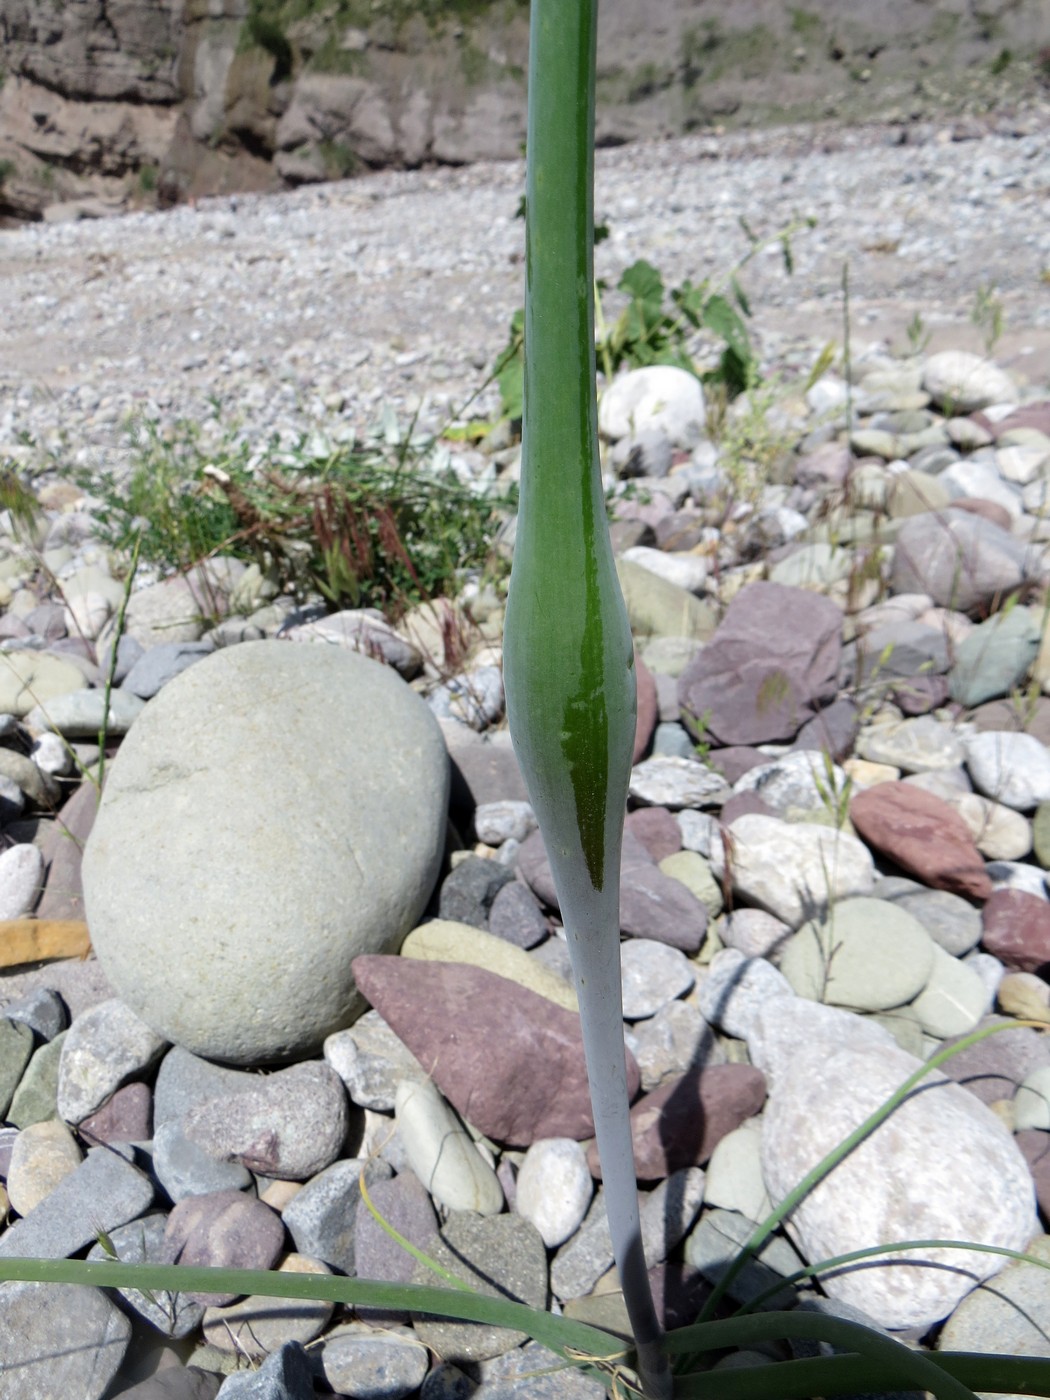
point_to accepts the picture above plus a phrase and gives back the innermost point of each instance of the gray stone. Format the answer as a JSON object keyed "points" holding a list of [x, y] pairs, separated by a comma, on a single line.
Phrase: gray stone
{"points": [[16, 1046], [249, 957], [951, 922], [666, 781], [674, 1040], [733, 1178], [359, 629], [184, 1168], [57, 1340], [798, 781], [496, 822], [36, 1098], [995, 657], [35, 680], [963, 382], [43, 1155], [372, 1061], [658, 399], [754, 933], [442, 1153], [82, 713], [105, 1191], [516, 916], [142, 1242], [103, 1048], [960, 559], [912, 745], [953, 1000], [468, 891], [736, 987], [185, 1080], [1006, 1317], [42, 1010], [257, 1325], [291, 1125], [530, 1372], [21, 880], [793, 870], [373, 1363], [496, 1255], [667, 1212], [717, 1240], [284, 1375], [320, 1218], [161, 664]]}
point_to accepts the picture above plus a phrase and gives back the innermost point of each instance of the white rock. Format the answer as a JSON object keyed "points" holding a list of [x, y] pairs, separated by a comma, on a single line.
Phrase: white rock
{"points": [[103, 1047], [554, 1188], [51, 754], [969, 480], [21, 879], [688, 571], [1022, 465], [796, 780], [660, 397], [43, 1155], [442, 1153], [942, 1167], [667, 781], [652, 974], [793, 869], [1009, 767], [964, 382], [496, 822]]}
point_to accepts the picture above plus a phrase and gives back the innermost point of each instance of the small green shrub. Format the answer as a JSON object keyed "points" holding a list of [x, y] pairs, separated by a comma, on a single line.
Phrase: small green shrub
{"points": [[349, 522]]}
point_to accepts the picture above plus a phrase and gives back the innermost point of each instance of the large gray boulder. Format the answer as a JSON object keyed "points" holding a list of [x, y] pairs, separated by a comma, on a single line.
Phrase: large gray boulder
{"points": [[274, 812]]}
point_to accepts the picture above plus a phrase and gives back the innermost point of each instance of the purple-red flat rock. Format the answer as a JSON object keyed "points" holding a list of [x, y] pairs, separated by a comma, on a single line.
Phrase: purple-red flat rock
{"points": [[681, 1123], [770, 666], [1017, 930], [510, 1061], [126, 1117], [224, 1229], [923, 835], [657, 830]]}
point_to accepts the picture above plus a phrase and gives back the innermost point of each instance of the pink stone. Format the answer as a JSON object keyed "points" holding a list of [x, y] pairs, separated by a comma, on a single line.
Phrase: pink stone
{"points": [[510, 1061], [681, 1123], [923, 835], [126, 1117], [1017, 930], [224, 1229], [657, 830]]}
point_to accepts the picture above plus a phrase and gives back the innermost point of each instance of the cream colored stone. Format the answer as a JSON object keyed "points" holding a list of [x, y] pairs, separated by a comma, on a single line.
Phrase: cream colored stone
{"points": [[446, 940]]}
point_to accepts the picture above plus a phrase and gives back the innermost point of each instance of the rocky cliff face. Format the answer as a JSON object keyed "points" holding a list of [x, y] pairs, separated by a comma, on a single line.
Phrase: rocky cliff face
{"points": [[107, 104]]}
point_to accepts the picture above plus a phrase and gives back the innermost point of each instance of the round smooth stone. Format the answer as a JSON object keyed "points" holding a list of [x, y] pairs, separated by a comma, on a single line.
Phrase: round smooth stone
{"points": [[554, 1188], [865, 955], [254, 920], [1041, 834], [1011, 768], [256, 1326], [953, 1000], [441, 1153]]}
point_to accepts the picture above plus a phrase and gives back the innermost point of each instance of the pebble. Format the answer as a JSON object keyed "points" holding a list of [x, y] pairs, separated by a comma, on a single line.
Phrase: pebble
{"points": [[143, 1241], [372, 1061], [320, 1218], [104, 1191], [1003, 1317], [257, 1326], [36, 1098], [372, 1363], [60, 1340], [222, 1230], [441, 1153], [184, 1168], [554, 1188], [1010, 768], [44, 1154], [652, 975]]}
